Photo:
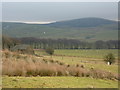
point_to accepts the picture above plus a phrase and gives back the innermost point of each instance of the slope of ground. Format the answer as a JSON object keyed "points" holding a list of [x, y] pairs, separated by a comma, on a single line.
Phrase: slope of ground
{"points": [[83, 22], [104, 30]]}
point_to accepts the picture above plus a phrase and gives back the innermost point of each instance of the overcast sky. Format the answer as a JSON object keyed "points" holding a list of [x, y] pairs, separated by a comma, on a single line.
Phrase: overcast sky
{"points": [[51, 11]]}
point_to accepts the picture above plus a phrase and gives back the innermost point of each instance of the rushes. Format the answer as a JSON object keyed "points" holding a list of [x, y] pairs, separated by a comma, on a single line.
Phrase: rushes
{"points": [[27, 65]]}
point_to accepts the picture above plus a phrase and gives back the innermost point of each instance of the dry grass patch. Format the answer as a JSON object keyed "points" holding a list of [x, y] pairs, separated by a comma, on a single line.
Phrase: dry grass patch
{"points": [[15, 64]]}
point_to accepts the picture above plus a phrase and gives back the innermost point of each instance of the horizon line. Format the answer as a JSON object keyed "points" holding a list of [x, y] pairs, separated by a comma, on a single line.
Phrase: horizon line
{"points": [[48, 22]]}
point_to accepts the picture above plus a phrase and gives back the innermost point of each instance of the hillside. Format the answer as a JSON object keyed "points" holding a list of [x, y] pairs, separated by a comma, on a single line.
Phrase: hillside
{"points": [[83, 22], [90, 29]]}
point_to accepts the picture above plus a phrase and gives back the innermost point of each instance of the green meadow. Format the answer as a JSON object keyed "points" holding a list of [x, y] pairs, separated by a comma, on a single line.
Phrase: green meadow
{"points": [[57, 82], [94, 53]]}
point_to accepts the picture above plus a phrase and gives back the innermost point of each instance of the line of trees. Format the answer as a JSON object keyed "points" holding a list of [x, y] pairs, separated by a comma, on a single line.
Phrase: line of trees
{"points": [[69, 43], [8, 42]]}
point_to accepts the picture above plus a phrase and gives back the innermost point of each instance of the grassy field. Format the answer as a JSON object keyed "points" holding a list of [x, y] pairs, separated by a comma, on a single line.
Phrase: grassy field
{"points": [[88, 58], [87, 53], [57, 82], [89, 63]]}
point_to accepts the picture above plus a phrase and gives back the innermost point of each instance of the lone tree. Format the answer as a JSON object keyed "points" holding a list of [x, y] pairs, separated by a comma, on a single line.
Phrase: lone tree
{"points": [[50, 51], [109, 58]]}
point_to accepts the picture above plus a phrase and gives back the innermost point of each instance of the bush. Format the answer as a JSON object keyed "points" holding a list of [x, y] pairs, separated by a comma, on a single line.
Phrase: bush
{"points": [[50, 51], [110, 58]]}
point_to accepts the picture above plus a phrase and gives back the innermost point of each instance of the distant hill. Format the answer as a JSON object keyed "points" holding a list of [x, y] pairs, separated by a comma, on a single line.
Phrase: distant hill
{"points": [[83, 22], [90, 29]]}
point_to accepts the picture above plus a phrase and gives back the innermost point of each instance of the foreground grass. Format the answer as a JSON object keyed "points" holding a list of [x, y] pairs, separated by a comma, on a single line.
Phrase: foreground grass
{"points": [[57, 82]]}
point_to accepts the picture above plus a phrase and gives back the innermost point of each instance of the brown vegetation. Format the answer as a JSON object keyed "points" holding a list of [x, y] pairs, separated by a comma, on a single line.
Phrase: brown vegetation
{"points": [[15, 64]]}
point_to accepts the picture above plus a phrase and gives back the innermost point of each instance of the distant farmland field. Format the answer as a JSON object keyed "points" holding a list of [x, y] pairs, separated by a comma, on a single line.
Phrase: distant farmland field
{"points": [[95, 53]]}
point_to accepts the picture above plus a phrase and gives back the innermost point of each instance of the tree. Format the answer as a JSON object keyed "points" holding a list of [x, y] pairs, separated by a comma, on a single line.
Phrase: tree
{"points": [[8, 42], [109, 58], [50, 51]]}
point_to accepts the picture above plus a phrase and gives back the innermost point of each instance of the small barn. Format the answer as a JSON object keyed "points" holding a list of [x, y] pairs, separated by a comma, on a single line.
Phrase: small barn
{"points": [[23, 49]]}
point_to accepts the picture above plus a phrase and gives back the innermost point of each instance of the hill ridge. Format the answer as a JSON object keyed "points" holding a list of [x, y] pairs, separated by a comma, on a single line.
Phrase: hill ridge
{"points": [[82, 22], [103, 30]]}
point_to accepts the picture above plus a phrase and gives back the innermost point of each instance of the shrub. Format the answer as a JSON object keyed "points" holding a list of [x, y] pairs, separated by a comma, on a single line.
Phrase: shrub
{"points": [[52, 61], [82, 66], [77, 65], [60, 63], [7, 54], [68, 65], [110, 58], [50, 51]]}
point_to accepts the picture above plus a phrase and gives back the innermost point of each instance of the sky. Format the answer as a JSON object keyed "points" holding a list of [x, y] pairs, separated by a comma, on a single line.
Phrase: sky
{"points": [[57, 11], [60, 0]]}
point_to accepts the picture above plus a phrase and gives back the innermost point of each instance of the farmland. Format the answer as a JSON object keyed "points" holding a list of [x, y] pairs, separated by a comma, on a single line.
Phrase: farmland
{"points": [[72, 58], [89, 58], [95, 53]]}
